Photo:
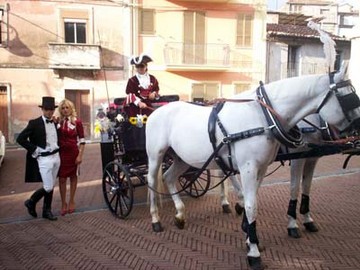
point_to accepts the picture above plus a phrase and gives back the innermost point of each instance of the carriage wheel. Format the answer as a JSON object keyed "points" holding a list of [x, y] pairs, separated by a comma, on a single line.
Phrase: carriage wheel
{"points": [[117, 189], [200, 186]]}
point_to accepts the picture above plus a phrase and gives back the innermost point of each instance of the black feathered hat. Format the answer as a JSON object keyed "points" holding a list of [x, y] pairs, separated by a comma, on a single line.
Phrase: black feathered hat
{"points": [[48, 103], [141, 59]]}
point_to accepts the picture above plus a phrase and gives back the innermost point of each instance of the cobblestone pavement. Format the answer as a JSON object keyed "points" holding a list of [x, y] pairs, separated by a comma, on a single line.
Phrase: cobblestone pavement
{"points": [[92, 238]]}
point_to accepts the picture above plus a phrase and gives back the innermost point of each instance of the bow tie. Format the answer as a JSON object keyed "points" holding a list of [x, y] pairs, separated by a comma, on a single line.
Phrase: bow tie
{"points": [[49, 121]]}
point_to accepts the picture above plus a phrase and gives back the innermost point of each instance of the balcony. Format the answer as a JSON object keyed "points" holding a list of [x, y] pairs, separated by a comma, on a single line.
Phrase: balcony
{"points": [[210, 56], [74, 56]]}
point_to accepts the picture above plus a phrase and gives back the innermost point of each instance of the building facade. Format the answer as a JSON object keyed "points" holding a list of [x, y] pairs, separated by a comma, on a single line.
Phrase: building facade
{"points": [[337, 17], [293, 49], [81, 50], [203, 49]]}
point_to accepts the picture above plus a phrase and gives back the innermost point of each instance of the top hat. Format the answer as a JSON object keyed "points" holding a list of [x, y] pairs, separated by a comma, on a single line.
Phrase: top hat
{"points": [[48, 103], [141, 59]]}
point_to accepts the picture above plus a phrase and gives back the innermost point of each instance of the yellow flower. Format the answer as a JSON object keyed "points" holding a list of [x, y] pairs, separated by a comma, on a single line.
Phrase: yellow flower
{"points": [[133, 120]]}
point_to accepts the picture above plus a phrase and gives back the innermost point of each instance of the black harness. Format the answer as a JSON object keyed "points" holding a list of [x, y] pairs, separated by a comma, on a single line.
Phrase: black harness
{"points": [[293, 139], [228, 138], [349, 103]]}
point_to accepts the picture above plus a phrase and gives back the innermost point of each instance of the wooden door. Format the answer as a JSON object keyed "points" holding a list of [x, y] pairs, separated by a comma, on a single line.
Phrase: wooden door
{"points": [[81, 100], [4, 112]]}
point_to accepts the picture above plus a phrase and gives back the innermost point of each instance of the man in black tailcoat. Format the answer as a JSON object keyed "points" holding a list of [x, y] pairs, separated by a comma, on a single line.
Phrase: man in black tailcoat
{"points": [[40, 139]]}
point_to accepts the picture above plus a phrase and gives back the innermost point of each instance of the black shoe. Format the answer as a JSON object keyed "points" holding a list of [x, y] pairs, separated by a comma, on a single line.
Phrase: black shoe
{"points": [[48, 215], [31, 208]]}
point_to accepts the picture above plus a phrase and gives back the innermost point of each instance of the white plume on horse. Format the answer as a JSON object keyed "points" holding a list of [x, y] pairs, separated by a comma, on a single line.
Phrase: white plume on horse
{"points": [[329, 45]]}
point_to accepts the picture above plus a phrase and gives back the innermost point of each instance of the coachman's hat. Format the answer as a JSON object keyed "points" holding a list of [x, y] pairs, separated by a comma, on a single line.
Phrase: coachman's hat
{"points": [[48, 103], [141, 59]]}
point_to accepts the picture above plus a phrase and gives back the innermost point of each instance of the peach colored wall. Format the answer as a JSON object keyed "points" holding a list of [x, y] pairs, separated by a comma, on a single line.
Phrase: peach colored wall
{"points": [[220, 27], [24, 63]]}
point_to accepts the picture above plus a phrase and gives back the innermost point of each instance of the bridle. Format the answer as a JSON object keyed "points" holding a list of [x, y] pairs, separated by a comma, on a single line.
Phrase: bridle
{"points": [[349, 103]]}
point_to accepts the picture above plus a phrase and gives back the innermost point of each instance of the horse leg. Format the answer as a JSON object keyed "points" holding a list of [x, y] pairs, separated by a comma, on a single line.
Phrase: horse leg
{"points": [[305, 197], [170, 178], [251, 179], [153, 178], [224, 193], [239, 206], [296, 172]]}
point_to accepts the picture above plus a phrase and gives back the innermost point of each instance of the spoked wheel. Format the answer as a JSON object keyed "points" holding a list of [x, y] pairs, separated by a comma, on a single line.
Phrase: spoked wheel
{"points": [[118, 189], [198, 187]]}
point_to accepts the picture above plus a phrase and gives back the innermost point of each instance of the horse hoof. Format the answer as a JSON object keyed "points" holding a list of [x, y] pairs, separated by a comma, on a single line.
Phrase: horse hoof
{"points": [[226, 209], [255, 263], [239, 209], [180, 223], [311, 227], [294, 232], [157, 227]]}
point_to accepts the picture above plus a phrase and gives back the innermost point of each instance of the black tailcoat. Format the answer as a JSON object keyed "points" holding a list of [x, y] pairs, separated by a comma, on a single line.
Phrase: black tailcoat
{"points": [[33, 136]]}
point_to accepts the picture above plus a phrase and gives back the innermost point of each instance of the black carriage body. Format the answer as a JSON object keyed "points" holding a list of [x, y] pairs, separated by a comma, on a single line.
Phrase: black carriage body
{"points": [[127, 144]]}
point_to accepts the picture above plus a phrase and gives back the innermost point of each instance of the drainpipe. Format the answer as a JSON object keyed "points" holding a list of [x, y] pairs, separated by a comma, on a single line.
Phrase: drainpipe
{"points": [[134, 35]]}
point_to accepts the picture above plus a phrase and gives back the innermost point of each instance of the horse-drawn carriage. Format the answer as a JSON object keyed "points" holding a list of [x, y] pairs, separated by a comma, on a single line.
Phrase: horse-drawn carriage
{"points": [[236, 137], [175, 153], [124, 160]]}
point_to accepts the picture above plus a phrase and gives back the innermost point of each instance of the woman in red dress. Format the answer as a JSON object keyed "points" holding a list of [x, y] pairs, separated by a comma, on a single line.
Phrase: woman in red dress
{"points": [[72, 144]]}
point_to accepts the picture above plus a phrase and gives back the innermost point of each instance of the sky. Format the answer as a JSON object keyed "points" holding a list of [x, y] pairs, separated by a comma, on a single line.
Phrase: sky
{"points": [[275, 4]]}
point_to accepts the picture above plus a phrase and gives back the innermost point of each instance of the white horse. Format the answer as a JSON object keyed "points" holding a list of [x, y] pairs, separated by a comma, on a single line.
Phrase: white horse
{"points": [[183, 127], [301, 173]]}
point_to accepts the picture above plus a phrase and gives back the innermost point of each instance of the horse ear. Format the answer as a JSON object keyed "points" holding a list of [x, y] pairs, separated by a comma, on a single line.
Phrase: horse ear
{"points": [[343, 71]]}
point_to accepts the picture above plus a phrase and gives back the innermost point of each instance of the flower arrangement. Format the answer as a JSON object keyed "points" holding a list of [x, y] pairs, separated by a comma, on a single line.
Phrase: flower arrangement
{"points": [[106, 122], [102, 123]]}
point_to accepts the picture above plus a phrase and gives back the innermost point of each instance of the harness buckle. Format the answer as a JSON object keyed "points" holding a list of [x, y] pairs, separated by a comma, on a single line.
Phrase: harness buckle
{"points": [[226, 140], [333, 86]]}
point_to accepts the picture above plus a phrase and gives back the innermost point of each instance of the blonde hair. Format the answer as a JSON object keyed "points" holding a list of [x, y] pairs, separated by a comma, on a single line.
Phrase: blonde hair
{"points": [[70, 104]]}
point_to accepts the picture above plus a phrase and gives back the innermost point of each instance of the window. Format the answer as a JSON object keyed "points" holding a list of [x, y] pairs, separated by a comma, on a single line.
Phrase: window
{"points": [[293, 65], [205, 91], [76, 26], [194, 38], [346, 21], [75, 31], [147, 21], [295, 8], [244, 30], [338, 60]]}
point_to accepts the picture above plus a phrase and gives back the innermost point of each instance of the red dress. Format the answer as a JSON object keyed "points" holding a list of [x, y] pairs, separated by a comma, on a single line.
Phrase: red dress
{"points": [[70, 135]]}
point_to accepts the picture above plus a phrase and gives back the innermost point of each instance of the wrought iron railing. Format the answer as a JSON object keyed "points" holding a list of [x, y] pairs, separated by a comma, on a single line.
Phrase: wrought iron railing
{"points": [[188, 54], [207, 55]]}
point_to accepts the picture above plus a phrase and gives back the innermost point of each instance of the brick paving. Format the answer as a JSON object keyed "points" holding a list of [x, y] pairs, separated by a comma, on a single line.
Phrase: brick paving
{"points": [[92, 238]]}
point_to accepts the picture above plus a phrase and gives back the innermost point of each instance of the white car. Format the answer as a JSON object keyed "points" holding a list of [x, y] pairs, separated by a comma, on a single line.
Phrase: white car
{"points": [[2, 148]]}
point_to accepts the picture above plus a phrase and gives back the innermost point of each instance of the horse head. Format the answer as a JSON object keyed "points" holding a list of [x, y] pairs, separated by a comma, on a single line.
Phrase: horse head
{"points": [[341, 105]]}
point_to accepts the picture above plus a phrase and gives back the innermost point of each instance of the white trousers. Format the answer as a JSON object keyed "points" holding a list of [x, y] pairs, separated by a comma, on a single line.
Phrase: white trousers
{"points": [[49, 167]]}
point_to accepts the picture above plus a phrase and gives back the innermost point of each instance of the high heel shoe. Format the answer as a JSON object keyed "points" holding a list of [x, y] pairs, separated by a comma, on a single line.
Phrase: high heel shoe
{"points": [[63, 211], [71, 210]]}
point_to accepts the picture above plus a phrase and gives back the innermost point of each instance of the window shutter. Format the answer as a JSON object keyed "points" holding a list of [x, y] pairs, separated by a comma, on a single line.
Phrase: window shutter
{"points": [[147, 21]]}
